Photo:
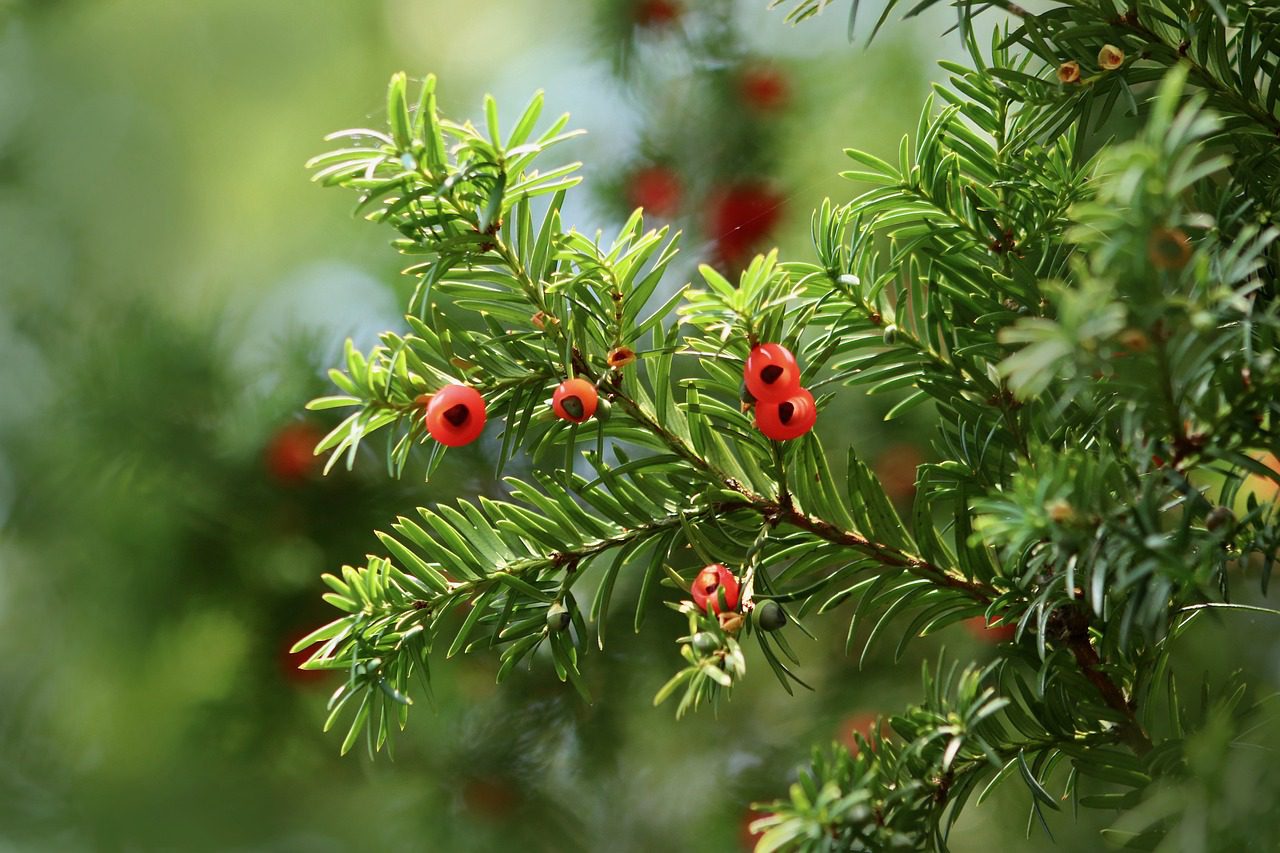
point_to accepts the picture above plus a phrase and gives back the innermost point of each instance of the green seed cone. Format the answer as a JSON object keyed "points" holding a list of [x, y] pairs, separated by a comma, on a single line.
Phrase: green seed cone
{"points": [[704, 642], [770, 616], [558, 617]]}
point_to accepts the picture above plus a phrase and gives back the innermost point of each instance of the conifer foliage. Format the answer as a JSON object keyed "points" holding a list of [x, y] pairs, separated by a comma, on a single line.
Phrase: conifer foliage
{"points": [[1094, 326]]}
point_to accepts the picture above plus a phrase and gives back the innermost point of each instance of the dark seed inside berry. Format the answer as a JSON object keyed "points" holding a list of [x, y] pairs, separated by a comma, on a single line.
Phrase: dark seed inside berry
{"points": [[457, 415], [770, 374], [785, 411], [572, 406]]}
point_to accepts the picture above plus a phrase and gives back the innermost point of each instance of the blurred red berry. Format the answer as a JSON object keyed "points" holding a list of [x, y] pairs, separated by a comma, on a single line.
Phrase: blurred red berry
{"points": [[290, 455], [740, 218], [1169, 248], [863, 723], [763, 88], [992, 632], [748, 838], [656, 189], [896, 469], [1262, 486], [289, 661], [709, 583], [656, 13], [490, 797]]}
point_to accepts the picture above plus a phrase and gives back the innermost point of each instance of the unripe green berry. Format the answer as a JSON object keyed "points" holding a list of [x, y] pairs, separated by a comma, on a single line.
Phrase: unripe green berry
{"points": [[603, 409], [891, 334], [1220, 518], [558, 617], [745, 395], [704, 642], [770, 616]]}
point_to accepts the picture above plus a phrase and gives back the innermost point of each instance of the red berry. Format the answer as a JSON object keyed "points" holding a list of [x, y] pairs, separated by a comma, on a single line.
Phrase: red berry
{"points": [[575, 400], [1169, 248], [864, 724], [740, 217], [896, 470], [656, 189], [992, 632], [763, 88], [746, 835], [1261, 485], [789, 418], [771, 373], [455, 415], [490, 797], [290, 454], [709, 584], [656, 13]]}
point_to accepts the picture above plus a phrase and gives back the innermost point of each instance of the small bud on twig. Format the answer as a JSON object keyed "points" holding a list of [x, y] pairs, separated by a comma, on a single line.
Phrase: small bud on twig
{"points": [[558, 618], [1220, 518], [1060, 511], [1168, 248], [1110, 57], [1134, 340], [705, 643], [542, 319], [620, 357]]}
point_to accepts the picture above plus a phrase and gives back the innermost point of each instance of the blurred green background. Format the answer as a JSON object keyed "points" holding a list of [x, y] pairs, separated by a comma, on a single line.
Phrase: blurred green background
{"points": [[172, 290]]}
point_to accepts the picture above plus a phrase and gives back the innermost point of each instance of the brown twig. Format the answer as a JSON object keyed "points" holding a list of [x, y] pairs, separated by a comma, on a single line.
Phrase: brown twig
{"points": [[1072, 630]]}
